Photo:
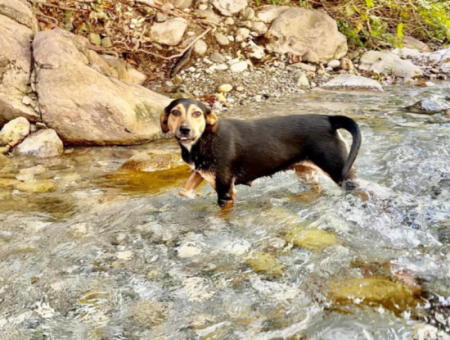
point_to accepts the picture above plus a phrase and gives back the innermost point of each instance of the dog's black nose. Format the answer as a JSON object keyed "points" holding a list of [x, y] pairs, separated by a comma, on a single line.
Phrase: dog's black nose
{"points": [[185, 129]]}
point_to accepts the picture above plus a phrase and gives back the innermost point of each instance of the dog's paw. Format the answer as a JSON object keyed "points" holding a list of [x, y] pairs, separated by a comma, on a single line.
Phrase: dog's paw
{"points": [[188, 193]]}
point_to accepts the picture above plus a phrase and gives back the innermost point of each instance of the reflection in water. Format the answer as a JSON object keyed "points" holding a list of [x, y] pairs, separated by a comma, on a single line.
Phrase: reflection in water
{"points": [[117, 254]]}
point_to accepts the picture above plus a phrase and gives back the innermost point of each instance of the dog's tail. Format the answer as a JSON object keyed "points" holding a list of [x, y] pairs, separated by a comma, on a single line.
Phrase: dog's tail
{"points": [[342, 122]]}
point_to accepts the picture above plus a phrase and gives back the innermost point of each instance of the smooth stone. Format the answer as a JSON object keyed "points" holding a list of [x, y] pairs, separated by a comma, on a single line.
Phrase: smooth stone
{"points": [[225, 88], [312, 239], [36, 187], [239, 67], [44, 143], [14, 131], [372, 291], [352, 82], [265, 263]]}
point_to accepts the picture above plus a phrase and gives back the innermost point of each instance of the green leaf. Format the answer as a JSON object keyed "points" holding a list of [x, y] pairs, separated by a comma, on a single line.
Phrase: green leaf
{"points": [[400, 31], [369, 3], [349, 10]]}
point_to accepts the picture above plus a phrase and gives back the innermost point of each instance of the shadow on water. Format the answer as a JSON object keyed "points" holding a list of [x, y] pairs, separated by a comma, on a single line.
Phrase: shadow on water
{"points": [[115, 254]]}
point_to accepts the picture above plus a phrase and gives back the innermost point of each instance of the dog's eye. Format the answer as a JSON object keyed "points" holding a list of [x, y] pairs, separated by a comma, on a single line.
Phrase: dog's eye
{"points": [[175, 113], [197, 114]]}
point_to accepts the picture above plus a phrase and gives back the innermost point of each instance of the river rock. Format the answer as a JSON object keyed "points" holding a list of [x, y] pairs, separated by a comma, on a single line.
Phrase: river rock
{"points": [[44, 143], [208, 16], [240, 66], [352, 82], [106, 110], [8, 182], [217, 58], [229, 7], [182, 4], [334, 64], [124, 71], [169, 32], [152, 161], [312, 239], [94, 38], [372, 291], [242, 34], [20, 12], [200, 47], [247, 14], [428, 106], [389, 64], [416, 44], [255, 52], [445, 67], [265, 263], [428, 332], [222, 39], [258, 29], [160, 17], [36, 187], [301, 80], [14, 131], [407, 53], [188, 251], [225, 88], [270, 13], [296, 32], [346, 64], [17, 26], [306, 67]]}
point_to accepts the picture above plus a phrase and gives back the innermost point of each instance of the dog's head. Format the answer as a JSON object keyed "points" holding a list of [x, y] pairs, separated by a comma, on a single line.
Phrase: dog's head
{"points": [[187, 119]]}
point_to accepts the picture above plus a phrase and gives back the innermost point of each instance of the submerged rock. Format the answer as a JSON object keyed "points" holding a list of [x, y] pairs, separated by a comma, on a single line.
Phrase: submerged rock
{"points": [[372, 291], [44, 143], [36, 187], [265, 263], [153, 161], [312, 239], [8, 182], [428, 106]]}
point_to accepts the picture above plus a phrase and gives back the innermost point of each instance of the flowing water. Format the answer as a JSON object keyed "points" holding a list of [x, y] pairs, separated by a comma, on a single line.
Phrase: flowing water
{"points": [[108, 255]]}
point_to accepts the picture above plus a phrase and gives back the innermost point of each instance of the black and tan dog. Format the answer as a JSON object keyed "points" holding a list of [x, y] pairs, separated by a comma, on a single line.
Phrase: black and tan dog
{"points": [[228, 152]]}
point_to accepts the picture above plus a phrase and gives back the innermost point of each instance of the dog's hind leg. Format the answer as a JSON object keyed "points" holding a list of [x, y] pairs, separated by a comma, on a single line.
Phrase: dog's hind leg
{"points": [[308, 175], [188, 190]]}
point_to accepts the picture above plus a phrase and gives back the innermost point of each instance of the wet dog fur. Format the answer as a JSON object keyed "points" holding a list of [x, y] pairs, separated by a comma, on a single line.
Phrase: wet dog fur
{"points": [[226, 152]]}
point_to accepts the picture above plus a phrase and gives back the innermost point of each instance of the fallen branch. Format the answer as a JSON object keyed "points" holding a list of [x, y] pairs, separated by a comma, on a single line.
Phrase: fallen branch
{"points": [[175, 55]]}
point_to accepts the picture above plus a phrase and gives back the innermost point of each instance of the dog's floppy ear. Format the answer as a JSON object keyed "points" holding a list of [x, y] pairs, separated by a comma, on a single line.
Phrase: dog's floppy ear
{"points": [[212, 120], [163, 119]]}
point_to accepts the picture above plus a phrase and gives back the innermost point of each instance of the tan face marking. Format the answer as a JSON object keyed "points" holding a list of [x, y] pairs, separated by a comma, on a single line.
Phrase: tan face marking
{"points": [[192, 119]]}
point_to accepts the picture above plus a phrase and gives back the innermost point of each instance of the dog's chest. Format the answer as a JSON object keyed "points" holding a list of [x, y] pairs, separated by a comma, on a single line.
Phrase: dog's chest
{"points": [[206, 174]]}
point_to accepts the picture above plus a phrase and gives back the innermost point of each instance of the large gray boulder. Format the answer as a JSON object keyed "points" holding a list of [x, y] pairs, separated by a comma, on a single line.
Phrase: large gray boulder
{"points": [[85, 106], [302, 32], [389, 64], [17, 25], [270, 13], [229, 7]]}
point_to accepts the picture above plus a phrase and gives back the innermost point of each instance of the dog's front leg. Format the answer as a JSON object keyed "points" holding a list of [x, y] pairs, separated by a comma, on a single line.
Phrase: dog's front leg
{"points": [[193, 182], [225, 190]]}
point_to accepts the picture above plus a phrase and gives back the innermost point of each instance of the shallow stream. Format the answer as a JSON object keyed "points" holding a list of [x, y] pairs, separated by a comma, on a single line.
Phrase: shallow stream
{"points": [[107, 255]]}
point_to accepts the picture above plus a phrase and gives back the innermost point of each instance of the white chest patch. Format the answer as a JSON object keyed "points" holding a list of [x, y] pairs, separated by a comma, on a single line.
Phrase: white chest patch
{"points": [[209, 177]]}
